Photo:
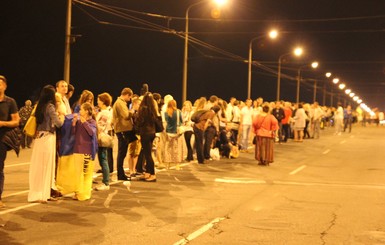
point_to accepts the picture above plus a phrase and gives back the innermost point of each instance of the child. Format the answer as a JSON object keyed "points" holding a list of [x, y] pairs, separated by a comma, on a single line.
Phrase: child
{"points": [[85, 148]]}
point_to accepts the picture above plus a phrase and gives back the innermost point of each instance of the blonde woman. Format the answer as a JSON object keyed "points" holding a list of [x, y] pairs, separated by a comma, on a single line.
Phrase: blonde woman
{"points": [[174, 142], [187, 111]]}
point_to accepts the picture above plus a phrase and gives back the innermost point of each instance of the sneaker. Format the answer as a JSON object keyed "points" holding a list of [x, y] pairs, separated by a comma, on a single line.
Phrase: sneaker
{"points": [[102, 187]]}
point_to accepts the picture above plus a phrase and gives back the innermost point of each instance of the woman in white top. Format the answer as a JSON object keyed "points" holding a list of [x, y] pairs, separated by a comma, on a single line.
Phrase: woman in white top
{"points": [[187, 111], [299, 123]]}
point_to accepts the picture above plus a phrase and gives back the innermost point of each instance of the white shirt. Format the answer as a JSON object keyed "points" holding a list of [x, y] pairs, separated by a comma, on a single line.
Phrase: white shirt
{"points": [[247, 115]]}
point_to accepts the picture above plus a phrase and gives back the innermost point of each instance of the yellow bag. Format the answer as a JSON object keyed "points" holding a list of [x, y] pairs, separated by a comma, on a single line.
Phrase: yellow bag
{"points": [[31, 125]]}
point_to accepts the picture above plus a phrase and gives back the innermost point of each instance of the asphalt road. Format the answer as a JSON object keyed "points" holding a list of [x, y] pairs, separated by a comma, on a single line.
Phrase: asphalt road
{"points": [[325, 191]]}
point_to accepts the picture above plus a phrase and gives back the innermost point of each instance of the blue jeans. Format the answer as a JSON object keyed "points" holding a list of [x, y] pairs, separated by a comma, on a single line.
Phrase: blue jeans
{"points": [[102, 156], [245, 136], [3, 155]]}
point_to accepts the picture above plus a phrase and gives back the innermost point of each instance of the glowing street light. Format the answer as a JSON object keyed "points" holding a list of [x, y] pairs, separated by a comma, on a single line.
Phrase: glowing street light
{"points": [[272, 35], [355, 98], [328, 74], [297, 52], [186, 40], [342, 86], [336, 80], [352, 95], [359, 101], [348, 91]]}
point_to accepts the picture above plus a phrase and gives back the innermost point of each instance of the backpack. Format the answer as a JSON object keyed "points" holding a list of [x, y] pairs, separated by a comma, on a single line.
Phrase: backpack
{"points": [[197, 115]]}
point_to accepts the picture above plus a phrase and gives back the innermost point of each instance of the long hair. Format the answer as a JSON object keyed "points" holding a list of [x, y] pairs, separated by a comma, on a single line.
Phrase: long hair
{"points": [[147, 110], [85, 96], [89, 108], [47, 96], [171, 107]]}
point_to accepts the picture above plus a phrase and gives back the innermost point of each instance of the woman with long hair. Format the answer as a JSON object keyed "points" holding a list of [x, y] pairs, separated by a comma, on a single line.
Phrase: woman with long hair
{"points": [[187, 112], [147, 114], [174, 142], [42, 168]]}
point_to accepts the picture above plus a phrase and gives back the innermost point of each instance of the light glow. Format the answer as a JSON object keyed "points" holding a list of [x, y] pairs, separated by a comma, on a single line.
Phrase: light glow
{"points": [[328, 74], [336, 80], [359, 101], [352, 95], [314, 64], [298, 51], [342, 86], [355, 98], [273, 34], [220, 2], [348, 91]]}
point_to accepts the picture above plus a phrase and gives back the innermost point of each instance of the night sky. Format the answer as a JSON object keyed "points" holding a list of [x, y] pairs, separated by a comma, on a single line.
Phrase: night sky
{"points": [[346, 37]]}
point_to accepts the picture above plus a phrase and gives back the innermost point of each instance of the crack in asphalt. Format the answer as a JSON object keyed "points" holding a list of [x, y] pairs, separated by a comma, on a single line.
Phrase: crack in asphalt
{"points": [[325, 232]]}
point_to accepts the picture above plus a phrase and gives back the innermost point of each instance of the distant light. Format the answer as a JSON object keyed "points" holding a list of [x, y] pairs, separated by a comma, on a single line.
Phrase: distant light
{"points": [[355, 98], [314, 64], [348, 91], [342, 86], [298, 51], [351, 95], [336, 80], [220, 2], [273, 34], [359, 101], [328, 74]]}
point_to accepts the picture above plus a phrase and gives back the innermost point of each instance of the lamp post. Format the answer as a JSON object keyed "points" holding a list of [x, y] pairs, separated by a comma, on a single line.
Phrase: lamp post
{"points": [[297, 52], [67, 51], [313, 65], [272, 34], [186, 37]]}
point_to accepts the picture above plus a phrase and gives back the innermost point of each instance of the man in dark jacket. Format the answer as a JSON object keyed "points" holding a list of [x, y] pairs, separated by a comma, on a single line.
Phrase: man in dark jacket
{"points": [[279, 114], [9, 118]]}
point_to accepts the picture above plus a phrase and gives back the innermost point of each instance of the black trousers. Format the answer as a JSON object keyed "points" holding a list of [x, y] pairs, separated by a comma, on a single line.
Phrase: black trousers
{"points": [[199, 144], [187, 138], [209, 137]]}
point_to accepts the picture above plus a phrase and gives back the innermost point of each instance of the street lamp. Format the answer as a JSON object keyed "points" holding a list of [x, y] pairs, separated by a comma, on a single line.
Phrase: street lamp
{"points": [[272, 35], [186, 37], [313, 65], [297, 52]]}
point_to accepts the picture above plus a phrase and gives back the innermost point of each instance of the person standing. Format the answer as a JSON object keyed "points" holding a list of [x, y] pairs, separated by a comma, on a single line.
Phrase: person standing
{"points": [[147, 114], [85, 130], [286, 121], [104, 121], [264, 126], [25, 113], [9, 118], [299, 123], [317, 117], [123, 126], [42, 168], [338, 119], [279, 114], [187, 111], [348, 118], [245, 124]]}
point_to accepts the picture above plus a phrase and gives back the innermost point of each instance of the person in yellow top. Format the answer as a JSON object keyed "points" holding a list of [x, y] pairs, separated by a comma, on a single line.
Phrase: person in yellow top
{"points": [[123, 126]]}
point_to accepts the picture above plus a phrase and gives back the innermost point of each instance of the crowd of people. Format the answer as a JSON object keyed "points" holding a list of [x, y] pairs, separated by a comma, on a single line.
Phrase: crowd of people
{"points": [[150, 130]]}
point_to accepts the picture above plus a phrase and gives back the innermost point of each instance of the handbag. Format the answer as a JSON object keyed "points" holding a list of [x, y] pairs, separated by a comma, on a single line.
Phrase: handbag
{"points": [[179, 129], [31, 125], [158, 125], [105, 140]]}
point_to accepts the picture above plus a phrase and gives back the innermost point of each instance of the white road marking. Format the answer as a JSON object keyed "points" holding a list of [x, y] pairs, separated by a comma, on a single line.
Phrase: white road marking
{"points": [[18, 208], [109, 198], [240, 181], [198, 232], [326, 152], [16, 193], [17, 164], [297, 170]]}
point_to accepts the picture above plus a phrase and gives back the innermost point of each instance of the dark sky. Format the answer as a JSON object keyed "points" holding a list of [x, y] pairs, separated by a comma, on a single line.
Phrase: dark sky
{"points": [[347, 38]]}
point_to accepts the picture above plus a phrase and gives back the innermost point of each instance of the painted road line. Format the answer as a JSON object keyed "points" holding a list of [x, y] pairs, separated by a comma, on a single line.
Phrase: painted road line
{"points": [[16, 193], [240, 181], [297, 170], [16, 165], [198, 232], [326, 152], [346, 185], [18, 208]]}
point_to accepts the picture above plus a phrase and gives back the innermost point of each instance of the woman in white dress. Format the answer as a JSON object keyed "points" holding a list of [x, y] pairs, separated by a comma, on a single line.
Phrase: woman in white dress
{"points": [[42, 168]]}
